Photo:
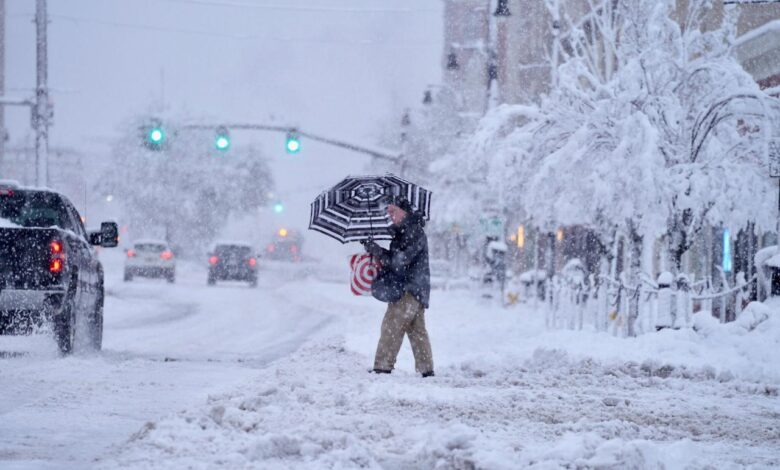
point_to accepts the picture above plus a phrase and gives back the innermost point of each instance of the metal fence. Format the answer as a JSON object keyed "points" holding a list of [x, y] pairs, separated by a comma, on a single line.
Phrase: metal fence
{"points": [[612, 305]]}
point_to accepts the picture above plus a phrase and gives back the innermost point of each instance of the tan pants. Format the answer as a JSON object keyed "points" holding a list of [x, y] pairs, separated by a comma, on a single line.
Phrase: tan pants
{"points": [[407, 316]]}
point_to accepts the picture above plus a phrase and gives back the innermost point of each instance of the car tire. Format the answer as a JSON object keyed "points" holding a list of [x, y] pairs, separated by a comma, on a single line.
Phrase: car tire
{"points": [[128, 275], [64, 328]]}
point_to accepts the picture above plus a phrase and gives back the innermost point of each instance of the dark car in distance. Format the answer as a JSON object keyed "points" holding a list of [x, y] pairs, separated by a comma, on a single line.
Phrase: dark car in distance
{"points": [[285, 245], [232, 262]]}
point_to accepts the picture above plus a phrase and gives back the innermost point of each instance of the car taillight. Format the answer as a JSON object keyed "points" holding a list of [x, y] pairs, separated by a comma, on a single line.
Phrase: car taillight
{"points": [[271, 248], [56, 256], [252, 262], [294, 249], [213, 260], [166, 255], [130, 253], [55, 266]]}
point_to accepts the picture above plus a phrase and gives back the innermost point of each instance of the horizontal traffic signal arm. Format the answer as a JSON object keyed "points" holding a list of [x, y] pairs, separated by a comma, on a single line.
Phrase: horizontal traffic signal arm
{"points": [[376, 153]]}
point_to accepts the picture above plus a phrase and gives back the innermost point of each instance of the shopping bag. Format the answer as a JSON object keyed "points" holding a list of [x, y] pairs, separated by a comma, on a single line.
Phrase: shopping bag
{"points": [[365, 269]]}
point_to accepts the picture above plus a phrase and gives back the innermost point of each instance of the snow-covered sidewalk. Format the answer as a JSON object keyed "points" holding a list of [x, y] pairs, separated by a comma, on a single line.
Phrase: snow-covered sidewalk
{"points": [[507, 394]]}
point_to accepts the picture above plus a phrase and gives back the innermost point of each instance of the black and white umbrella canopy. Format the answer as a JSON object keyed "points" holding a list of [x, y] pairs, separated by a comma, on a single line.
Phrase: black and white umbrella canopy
{"points": [[355, 209]]}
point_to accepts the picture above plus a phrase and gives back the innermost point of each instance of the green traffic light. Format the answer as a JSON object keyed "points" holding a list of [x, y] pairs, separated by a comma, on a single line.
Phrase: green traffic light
{"points": [[222, 143], [293, 144], [156, 135], [222, 138], [278, 207]]}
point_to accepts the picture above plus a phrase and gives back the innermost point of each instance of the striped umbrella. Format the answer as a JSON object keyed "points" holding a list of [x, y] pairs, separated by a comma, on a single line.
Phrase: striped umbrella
{"points": [[354, 209]]}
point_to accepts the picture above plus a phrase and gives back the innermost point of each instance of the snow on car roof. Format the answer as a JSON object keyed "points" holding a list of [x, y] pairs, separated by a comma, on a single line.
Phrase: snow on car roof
{"points": [[232, 242], [149, 241]]}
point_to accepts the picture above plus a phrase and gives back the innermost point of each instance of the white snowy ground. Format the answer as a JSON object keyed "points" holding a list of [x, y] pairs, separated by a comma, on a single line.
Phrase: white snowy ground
{"points": [[507, 394], [237, 392]]}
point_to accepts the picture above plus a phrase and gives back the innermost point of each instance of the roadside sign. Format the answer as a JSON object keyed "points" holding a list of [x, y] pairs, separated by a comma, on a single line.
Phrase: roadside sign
{"points": [[774, 158], [493, 226]]}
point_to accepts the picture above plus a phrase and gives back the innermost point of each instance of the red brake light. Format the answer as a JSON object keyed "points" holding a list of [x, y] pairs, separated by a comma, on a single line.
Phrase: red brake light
{"points": [[166, 255], [6, 192], [213, 260], [56, 265], [57, 256], [294, 249], [252, 262], [130, 253], [271, 248]]}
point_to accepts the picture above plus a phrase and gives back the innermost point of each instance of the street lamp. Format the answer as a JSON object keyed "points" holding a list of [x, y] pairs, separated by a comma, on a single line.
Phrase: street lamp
{"points": [[502, 9], [452, 61], [427, 97]]}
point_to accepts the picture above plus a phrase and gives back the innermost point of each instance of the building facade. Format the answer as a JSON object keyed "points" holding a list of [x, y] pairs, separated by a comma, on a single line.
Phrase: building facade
{"points": [[523, 45]]}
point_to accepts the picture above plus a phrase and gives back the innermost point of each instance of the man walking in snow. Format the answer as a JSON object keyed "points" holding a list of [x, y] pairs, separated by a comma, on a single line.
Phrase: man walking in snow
{"points": [[406, 286]]}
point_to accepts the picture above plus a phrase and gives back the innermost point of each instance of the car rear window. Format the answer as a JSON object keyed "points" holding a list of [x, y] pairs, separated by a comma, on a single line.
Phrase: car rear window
{"points": [[233, 250], [150, 247], [34, 209]]}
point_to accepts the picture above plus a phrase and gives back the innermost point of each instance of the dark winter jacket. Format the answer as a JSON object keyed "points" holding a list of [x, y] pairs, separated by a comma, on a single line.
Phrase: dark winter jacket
{"points": [[408, 257]]}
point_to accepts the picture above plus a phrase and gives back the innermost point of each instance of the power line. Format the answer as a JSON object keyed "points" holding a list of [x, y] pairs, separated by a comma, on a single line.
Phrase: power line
{"points": [[233, 4], [147, 27], [195, 32]]}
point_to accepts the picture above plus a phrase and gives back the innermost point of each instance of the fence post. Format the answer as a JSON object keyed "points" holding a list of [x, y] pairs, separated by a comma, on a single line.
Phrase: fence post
{"points": [[665, 314], [549, 315], [740, 297], [602, 308], [580, 304], [551, 301], [684, 307]]}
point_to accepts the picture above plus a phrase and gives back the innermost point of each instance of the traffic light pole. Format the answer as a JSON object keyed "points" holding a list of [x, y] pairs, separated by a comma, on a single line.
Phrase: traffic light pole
{"points": [[382, 155]]}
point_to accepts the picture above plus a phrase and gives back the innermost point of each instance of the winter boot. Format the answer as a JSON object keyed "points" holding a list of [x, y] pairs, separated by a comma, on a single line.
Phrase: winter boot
{"points": [[380, 371], [427, 374]]}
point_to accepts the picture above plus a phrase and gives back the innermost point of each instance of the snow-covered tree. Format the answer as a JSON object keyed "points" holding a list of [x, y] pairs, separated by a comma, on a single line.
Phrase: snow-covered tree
{"points": [[652, 128], [188, 190]]}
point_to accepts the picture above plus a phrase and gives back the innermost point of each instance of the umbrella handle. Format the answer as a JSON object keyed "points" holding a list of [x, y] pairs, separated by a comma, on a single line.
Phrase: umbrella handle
{"points": [[370, 224]]}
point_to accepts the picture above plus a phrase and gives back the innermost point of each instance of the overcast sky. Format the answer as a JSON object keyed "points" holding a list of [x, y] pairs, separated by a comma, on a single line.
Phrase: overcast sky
{"points": [[335, 66], [341, 68]]}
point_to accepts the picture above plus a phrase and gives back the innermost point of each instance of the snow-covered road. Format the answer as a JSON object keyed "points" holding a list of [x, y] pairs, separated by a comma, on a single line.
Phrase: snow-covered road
{"points": [[166, 348]]}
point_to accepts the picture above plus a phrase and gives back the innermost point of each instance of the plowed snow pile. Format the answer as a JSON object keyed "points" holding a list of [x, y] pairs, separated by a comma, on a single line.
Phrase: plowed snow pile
{"points": [[507, 394]]}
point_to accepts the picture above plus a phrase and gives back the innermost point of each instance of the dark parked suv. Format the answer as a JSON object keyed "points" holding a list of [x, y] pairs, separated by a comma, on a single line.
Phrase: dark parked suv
{"points": [[232, 262]]}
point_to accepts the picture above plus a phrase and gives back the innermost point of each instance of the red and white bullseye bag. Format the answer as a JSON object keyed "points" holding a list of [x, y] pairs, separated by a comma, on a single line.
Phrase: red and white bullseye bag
{"points": [[365, 268]]}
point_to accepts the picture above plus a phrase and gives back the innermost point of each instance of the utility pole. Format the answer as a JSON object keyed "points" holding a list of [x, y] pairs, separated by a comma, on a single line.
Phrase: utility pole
{"points": [[2, 84], [406, 121], [496, 52], [41, 113]]}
